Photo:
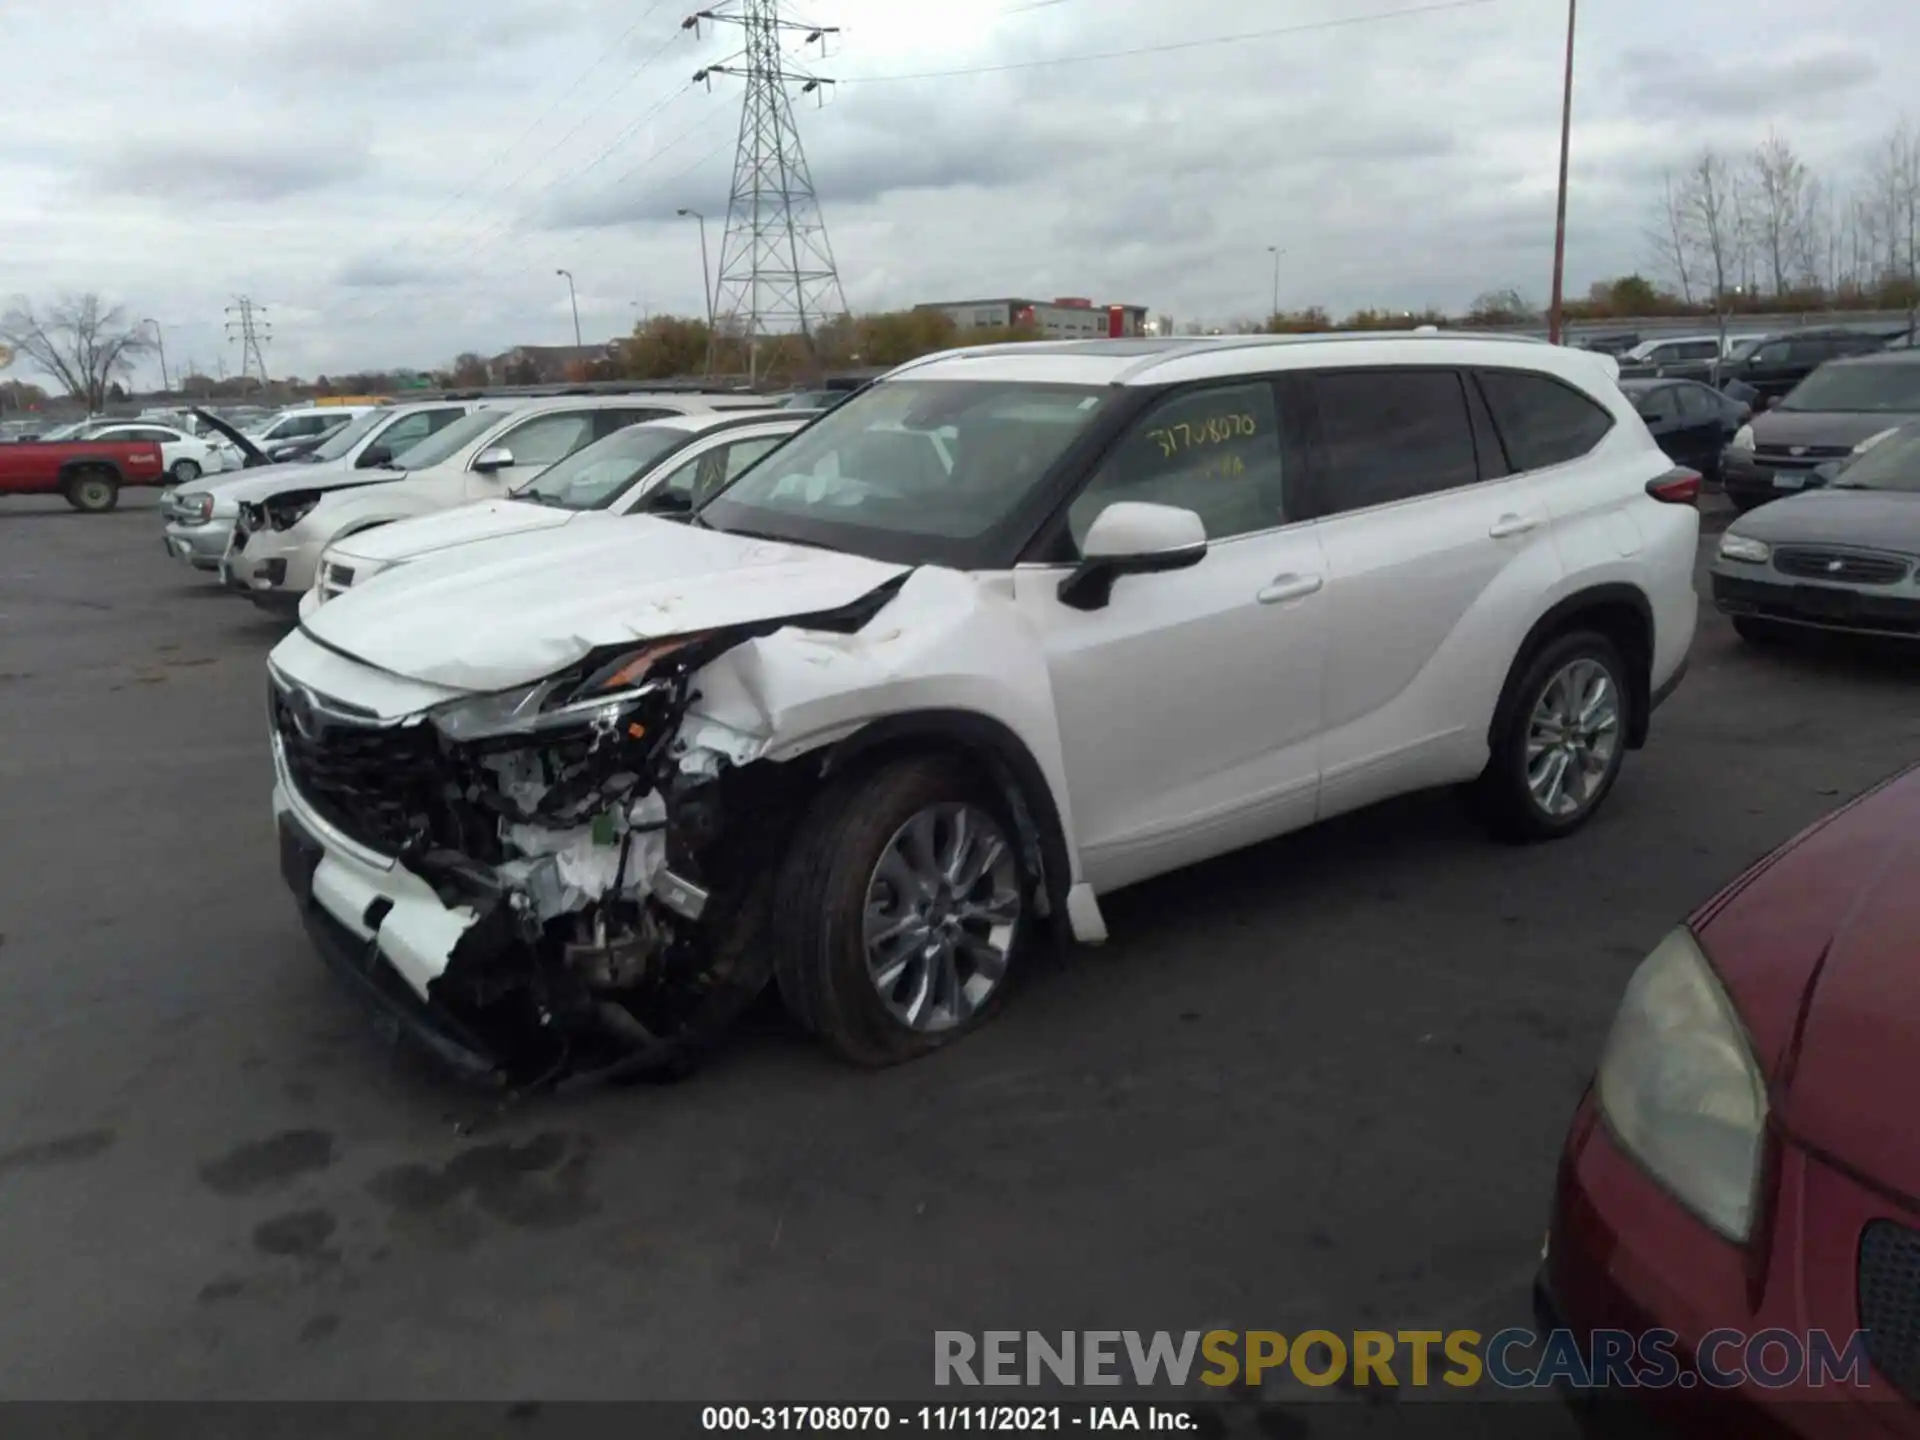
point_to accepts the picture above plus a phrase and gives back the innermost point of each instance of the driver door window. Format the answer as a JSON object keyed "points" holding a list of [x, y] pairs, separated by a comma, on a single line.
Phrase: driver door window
{"points": [[694, 482], [536, 444], [1215, 452]]}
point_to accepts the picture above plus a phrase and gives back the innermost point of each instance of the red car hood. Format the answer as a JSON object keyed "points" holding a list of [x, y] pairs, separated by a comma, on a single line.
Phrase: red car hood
{"points": [[1819, 948]]}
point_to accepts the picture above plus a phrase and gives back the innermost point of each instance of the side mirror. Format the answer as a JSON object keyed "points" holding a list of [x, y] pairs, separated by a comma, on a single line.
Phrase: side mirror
{"points": [[373, 455], [494, 457], [1130, 537]]}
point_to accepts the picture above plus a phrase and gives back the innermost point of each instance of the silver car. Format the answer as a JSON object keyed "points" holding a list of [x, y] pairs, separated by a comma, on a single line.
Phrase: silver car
{"points": [[1843, 557]]}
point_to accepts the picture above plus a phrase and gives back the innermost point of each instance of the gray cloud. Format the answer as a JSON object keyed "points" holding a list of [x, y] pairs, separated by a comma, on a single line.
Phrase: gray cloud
{"points": [[219, 168], [399, 181], [1745, 87]]}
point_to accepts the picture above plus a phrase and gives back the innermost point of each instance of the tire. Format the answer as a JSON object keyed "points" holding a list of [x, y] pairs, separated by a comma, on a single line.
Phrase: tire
{"points": [[185, 472], [1755, 631], [1506, 799], [93, 490], [832, 872]]}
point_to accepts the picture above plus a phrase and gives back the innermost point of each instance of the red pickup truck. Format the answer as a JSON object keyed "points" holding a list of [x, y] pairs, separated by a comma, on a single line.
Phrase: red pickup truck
{"points": [[88, 473]]}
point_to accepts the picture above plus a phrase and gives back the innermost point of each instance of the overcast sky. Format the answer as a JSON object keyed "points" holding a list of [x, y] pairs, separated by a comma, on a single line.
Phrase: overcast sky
{"points": [[398, 180]]}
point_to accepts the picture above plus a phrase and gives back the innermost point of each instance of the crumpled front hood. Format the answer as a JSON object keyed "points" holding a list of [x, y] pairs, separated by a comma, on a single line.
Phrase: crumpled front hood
{"points": [[428, 534], [1870, 519], [264, 482], [517, 608]]}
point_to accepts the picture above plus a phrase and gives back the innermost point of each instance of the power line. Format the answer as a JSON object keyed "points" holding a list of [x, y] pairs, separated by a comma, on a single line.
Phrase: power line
{"points": [[1173, 45]]}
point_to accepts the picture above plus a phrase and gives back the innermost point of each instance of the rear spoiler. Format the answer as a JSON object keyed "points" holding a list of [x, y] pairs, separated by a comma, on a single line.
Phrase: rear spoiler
{"points": [[254, 455]]}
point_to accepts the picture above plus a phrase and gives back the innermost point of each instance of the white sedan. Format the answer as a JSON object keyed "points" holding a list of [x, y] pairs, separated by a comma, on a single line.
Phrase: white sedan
{"points": [[185, 457]]}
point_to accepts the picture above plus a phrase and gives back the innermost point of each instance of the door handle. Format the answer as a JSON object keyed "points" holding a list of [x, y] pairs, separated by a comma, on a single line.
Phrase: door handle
{"points": [[1513, 525], [1289, 587]]}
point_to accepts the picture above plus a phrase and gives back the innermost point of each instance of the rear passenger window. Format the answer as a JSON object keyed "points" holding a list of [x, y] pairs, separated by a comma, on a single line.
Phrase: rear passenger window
{"points": [[1542, 421], [1389, 435], [1215, 452]]}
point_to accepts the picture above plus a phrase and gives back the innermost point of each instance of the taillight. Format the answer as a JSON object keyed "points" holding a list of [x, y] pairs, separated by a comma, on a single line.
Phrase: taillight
{"points": [[1679, 486]]}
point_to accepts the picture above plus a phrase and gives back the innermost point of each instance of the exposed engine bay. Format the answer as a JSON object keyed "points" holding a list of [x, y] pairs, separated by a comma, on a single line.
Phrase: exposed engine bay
{"points": [[619, 855]]}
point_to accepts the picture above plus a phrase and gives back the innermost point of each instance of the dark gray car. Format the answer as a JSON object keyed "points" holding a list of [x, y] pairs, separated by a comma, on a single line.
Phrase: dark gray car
{"points": [[1821, 421], [1843, 557]]}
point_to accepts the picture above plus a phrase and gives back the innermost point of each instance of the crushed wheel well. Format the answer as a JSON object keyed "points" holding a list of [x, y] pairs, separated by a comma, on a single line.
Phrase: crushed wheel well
{"points": [[1619, 612], [993, 754]]}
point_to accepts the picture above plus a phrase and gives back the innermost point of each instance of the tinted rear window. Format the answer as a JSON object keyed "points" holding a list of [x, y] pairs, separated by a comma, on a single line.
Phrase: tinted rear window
{"points": [[1389, 435], [1542, 421]]}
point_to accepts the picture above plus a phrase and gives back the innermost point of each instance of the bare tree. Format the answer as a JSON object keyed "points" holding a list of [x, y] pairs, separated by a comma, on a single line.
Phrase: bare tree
{"points": [[79, 341], [1779, 182], [1669, 237], [1709, 221]]}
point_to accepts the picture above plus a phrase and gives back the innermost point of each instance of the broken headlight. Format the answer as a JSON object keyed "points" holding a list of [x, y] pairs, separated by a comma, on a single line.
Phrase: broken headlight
{"points": [[288, 510], [598, 693]]}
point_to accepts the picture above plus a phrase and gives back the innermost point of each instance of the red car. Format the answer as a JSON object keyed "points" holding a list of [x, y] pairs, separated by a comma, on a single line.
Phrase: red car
{"points": [[1744, 1172], [89, 473]]}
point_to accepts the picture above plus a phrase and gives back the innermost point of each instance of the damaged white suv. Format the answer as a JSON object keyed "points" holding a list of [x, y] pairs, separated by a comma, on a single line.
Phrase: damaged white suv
{"points": [[1013, 628]]}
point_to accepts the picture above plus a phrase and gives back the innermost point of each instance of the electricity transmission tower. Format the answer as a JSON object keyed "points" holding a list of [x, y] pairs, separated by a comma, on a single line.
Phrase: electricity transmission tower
{"points": [[249, 327], [777, 274]]}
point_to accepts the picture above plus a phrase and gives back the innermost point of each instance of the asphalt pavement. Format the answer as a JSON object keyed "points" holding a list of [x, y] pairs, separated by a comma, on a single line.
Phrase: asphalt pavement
{"points": [[1318, 1083]]}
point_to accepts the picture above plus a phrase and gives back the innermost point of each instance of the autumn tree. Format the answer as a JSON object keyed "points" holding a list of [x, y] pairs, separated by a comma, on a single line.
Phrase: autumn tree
{"points": [[1501, 307], [468, 370], [80, 342]]}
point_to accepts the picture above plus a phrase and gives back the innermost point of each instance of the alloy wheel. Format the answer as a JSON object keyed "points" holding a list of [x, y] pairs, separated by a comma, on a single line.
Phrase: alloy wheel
{"points": [[1573, 736], [943, 907]]}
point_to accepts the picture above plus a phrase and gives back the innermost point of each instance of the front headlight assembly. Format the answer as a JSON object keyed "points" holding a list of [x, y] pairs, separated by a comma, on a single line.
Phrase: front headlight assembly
{"points": [[1744, 548], [1680, 1090], [601, 698]]}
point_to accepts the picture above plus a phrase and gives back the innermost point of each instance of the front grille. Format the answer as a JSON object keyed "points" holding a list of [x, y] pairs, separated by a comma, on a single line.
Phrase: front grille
{"points": [[1799, 457], [1818, 562], [375, 783], [1889, 1295]]}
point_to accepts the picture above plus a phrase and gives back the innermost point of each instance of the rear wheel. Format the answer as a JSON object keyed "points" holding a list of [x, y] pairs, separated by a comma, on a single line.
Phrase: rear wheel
{"points": [[185, 471], [1559, 742], [93, 490], [901, 911]]}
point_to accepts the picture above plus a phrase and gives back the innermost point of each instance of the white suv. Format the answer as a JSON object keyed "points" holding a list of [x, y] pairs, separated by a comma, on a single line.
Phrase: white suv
{"points": [[1013, 628], [286, 519]]}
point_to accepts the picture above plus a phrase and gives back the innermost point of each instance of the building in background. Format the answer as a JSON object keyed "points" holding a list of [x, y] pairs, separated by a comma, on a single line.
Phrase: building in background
{"points": [[1071, 318]]}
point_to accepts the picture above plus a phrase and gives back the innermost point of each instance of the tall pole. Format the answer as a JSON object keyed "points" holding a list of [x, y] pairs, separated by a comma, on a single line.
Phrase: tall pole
{"points": [[1560, 221], [1276, 252], [160, 339], [573, 300], [706, 283]]}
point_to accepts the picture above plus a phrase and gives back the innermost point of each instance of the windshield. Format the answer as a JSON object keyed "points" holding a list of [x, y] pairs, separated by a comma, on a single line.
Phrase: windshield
{"points": [[445, 444], [1858, 389], [1893, 464], [1740, 349], [914, 471], [349, 435], [594, 477]]}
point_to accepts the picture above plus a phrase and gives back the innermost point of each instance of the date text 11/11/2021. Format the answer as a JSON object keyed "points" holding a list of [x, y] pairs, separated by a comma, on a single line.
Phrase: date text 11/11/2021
{"points": [[946, 1419]]}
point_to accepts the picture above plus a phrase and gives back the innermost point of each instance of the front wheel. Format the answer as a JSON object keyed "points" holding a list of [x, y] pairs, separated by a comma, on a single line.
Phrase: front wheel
{"points": [[93, 491], [901, 911], [1559, 742], [185, 472]]}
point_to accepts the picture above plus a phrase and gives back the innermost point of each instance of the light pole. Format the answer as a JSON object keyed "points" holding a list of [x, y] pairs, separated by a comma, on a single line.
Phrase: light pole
{"points": [[1276, 252], [575, 301], [1560, 221], [706, 280], [160, 339]]}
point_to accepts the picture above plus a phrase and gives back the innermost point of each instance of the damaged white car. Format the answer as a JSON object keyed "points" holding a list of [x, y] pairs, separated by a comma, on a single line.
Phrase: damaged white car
{"points": [[1013, 628]]}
